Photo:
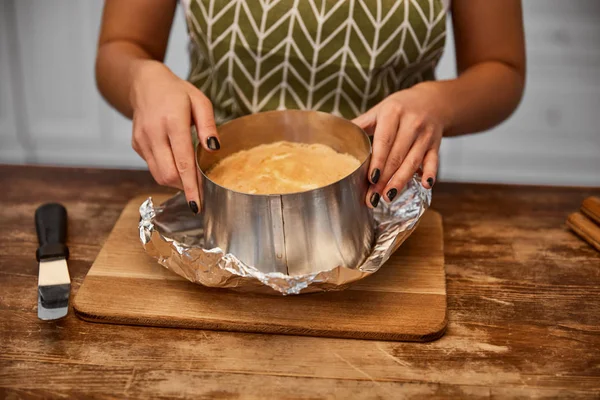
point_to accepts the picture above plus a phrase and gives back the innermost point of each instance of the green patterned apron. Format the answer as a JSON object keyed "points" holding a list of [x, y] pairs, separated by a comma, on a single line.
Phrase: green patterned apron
{"points": [[336, 56]]}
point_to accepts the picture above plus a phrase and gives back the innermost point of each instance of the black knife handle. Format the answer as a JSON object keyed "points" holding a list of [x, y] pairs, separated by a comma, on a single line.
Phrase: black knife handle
{"points": [[51, 226]]}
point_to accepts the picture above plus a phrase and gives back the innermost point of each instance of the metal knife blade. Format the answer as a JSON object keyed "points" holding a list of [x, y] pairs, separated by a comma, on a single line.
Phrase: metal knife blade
{"points": [[54, 288], [54, 282]]}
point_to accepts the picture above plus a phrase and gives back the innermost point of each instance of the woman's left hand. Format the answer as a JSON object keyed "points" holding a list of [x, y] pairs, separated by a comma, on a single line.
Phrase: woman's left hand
{"points": [[407, 127]]}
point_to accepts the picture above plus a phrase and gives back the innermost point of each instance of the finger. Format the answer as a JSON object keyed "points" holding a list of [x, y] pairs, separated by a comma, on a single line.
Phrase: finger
{"points": [[373, 197], [154, 170], [139, 141], [144, 150], [367, 120], [165, 163], [200, 192], [430, 167], [204, 119], [406, 171], [180, 138], [386, 130], [136, 133], [141, 145], [407, 134]]}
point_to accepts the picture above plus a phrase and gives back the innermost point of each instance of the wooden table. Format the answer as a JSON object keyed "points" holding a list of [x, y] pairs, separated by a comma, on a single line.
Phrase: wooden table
{"points": [[523, 294]]}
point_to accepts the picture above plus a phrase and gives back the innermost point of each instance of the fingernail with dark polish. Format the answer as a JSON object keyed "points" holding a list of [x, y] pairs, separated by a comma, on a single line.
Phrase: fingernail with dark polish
{"points": [[375, 175], [430, 182], [213, 143], [392, 193], [193, 207], [374, 199]]}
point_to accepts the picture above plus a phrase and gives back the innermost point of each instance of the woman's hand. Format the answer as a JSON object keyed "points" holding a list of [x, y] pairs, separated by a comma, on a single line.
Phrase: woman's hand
{"points": [[164, 107], [407, 127]]}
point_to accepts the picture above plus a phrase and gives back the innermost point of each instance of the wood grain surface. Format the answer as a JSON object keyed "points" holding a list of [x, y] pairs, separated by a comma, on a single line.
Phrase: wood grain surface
{"points": [[523, 301], [405, 300]]}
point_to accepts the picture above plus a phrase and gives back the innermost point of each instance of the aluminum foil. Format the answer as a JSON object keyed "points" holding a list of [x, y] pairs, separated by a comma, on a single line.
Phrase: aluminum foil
{"points": [[175, 239]]}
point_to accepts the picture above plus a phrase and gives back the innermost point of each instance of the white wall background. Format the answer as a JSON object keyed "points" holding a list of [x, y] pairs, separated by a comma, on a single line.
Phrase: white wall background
{"points": [[51, 112]]}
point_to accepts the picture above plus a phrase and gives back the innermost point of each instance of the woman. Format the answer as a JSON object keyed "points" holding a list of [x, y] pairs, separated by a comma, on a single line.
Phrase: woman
{"points": [[371, 61]]}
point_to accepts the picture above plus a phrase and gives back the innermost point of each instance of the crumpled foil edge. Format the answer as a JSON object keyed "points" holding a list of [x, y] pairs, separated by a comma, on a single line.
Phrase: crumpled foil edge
{"points": [[182, 251]]}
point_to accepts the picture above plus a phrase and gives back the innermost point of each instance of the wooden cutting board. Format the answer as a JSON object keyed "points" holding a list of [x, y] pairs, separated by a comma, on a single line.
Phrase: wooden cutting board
{"points": [[405, 300]]}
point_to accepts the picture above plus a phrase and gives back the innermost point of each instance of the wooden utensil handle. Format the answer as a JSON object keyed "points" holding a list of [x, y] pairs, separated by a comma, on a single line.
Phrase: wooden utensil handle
{"points": [[591, 208], [585, 228]]}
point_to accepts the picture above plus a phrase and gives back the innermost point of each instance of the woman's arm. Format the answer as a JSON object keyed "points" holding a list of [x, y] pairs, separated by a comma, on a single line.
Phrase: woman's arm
{"points": [[408, 125], [131, 76], [133, 35], [490, 59]]}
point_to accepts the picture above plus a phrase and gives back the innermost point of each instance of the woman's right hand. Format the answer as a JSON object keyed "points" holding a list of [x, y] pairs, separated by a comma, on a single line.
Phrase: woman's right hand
{"points": [[164, 108]]}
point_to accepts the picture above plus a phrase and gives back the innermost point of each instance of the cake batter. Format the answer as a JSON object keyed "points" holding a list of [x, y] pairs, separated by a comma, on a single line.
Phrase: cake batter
{"points": [[282, 167]]}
